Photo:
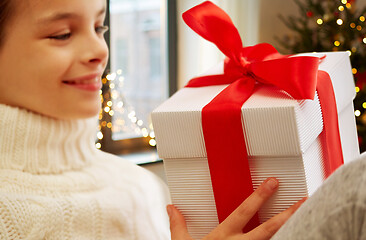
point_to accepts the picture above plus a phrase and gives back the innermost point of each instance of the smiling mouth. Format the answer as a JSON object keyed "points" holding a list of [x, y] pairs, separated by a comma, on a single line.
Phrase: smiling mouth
{"points": [[82, 82], [89, 84]]}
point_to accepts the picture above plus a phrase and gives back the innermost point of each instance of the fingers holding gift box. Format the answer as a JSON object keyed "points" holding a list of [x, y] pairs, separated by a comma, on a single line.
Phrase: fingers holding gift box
{"points": [[232, 227]]}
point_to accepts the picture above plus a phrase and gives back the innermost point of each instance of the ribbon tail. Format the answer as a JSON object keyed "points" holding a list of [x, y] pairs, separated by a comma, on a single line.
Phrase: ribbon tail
{"points": [[332, 146], [226, 149]]}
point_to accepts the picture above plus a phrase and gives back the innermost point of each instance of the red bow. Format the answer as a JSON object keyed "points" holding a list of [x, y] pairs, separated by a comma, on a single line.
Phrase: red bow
{"points": [[296, 75], [221, 118]]}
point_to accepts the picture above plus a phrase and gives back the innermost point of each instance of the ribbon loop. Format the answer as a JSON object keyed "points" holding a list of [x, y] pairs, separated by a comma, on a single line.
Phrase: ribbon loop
{"points": [[214, 25]]}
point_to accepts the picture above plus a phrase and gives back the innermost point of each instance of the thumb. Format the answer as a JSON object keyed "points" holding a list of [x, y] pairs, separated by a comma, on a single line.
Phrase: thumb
{"points": [[178, 227]]}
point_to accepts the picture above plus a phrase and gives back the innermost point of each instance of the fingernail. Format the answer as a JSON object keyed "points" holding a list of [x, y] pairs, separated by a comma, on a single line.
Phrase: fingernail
{"points": [[272, 183]]}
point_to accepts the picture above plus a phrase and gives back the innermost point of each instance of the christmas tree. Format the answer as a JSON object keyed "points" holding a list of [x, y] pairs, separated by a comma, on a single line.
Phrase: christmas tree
{"points": [[333, 25]]}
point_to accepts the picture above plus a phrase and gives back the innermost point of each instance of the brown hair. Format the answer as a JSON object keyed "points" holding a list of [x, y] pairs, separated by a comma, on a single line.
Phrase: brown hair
{"points": [[6, 10]]}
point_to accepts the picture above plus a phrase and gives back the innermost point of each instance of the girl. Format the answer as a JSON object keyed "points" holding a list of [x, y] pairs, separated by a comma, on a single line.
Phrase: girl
{"points": [[54, 183]]}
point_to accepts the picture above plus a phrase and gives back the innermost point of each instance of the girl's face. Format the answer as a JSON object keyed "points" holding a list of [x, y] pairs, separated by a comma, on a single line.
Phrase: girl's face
{"points": [[53, 57]]}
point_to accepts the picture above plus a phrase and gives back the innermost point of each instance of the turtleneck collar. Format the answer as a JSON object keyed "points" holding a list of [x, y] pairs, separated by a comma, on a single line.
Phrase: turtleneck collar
{"points": [[37, 144]]}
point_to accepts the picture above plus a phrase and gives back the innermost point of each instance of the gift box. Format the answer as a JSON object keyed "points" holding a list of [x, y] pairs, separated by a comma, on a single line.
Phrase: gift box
{"points": [[284, 138]]}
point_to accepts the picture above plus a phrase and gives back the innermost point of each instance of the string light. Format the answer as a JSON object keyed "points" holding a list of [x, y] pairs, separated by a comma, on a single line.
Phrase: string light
{"points": [[348, 5], [357, 113], [140, 122], [349, 52], [111, 76], [352, 25], [100, 135], [114, 94], [319, 21], [145, 133], [364, 40], [117, 104], [337, 43], [359, 28], [357, 89], [354, 70], [120, 104], [344, 1], [364, 104], [339, 21], [152, 142], [362, 18]]}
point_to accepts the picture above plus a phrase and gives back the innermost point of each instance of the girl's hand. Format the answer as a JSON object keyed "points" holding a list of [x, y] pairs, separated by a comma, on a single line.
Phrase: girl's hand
{"points": [[232, 227]]}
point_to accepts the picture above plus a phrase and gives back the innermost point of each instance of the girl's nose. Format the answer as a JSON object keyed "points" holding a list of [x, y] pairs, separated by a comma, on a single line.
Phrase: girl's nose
{"points": [[95, 50]]}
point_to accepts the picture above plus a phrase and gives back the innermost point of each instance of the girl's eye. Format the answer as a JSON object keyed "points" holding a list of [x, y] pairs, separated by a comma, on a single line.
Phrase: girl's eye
{"points": [[61, 36], [101, 29]]}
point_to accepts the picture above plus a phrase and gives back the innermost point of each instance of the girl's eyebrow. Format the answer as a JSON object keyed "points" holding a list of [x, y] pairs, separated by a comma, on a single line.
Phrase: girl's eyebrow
{"points": [[64, 15]]}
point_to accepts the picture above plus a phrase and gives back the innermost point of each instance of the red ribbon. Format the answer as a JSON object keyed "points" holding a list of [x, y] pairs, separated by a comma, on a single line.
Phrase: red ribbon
{"points": [[221, 118]]}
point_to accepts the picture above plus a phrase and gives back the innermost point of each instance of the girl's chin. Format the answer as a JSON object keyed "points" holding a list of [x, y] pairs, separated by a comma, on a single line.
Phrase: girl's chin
{"points": [[73, 114], [78, 115]]}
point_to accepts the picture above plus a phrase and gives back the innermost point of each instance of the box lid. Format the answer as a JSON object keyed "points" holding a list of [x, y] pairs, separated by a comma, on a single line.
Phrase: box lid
{"points": [[274, 123]]}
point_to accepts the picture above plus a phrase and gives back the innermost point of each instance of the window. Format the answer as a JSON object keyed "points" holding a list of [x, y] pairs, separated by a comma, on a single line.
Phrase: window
{"points": [[140, 74]]}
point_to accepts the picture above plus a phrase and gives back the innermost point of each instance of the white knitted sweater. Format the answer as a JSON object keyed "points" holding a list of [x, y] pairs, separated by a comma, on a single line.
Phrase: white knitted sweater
{"points": [[54, 184]]}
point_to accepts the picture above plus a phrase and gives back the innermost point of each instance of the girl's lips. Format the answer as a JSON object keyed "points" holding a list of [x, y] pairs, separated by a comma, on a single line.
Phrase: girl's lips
{"points": [[93, 83]]}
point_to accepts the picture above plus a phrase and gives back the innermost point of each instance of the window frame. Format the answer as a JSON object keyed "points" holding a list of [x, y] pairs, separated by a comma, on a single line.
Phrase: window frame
{"points": [[141, 144]]}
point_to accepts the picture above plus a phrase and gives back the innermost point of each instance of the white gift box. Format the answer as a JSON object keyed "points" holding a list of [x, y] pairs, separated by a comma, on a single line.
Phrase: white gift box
{"points": [[283, 138]]}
